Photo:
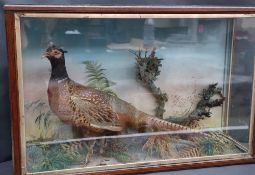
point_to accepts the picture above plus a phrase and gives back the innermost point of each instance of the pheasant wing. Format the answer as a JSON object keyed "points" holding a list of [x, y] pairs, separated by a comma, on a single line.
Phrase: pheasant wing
{"points": [[93, 108]]}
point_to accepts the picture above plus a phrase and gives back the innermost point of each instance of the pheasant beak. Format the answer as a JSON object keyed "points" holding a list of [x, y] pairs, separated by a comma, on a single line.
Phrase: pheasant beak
{"points": [[45, 55]]}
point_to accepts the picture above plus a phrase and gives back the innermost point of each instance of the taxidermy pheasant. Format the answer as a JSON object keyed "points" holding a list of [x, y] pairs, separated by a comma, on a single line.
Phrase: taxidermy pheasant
{"points": [[98, 112]]}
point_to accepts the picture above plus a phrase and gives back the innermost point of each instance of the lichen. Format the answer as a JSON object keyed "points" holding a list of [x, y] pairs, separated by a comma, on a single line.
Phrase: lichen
{"points": [[148, 69]]}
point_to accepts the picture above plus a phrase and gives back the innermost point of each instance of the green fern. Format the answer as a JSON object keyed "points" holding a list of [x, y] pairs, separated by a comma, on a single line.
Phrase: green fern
{"points": [[53, 157], [43, 119], [215, 143], [97, 78], [40, 109], [120, 156]]}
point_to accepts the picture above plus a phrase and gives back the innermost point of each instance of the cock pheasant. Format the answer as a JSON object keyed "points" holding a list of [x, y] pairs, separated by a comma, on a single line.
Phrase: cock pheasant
{"points": [[91, 109], [97, 112]]}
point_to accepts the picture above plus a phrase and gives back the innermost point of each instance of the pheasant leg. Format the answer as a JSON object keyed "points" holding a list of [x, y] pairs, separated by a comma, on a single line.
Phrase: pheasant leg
{"points": [[102, 146], [90, 151]]}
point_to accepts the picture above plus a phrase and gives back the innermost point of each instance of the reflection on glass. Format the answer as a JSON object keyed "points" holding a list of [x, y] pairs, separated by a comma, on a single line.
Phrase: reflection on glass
{"points": [[134, 90]]}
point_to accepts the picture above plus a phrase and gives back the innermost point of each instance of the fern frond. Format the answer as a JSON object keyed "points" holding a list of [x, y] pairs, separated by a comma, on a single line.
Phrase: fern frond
{"points": [[97, 78]]}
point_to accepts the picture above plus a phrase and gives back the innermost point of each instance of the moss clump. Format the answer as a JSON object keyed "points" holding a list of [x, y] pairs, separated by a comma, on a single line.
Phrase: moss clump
{"points": [[148, 69]]}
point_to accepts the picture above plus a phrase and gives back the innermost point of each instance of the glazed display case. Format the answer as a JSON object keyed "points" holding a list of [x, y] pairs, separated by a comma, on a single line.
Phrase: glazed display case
{"points": [[117, 90]]}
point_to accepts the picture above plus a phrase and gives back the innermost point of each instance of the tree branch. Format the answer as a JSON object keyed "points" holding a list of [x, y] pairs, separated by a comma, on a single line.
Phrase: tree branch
{"points": [[203, 107], [147, 72]]}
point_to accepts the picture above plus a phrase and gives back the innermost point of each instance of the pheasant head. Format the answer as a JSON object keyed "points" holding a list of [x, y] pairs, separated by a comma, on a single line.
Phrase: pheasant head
{"points": [[56, 56], [54, 52]]}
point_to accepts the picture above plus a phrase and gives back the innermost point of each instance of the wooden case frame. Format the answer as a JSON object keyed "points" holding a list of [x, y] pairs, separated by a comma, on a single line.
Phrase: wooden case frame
{"points": [[11, 10]]}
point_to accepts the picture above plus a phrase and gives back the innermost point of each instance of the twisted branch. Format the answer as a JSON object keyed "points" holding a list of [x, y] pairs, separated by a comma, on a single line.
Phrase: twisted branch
{"points": [[147, 72]]}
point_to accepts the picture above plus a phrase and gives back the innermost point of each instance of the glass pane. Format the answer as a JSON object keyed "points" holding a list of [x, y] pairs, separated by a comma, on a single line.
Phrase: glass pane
{"points": [[242, 79], [116, 91]]}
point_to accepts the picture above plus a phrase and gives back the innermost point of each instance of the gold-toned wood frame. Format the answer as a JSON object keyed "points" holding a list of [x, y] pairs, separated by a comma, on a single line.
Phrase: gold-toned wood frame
{"points": [[12, 15]]}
